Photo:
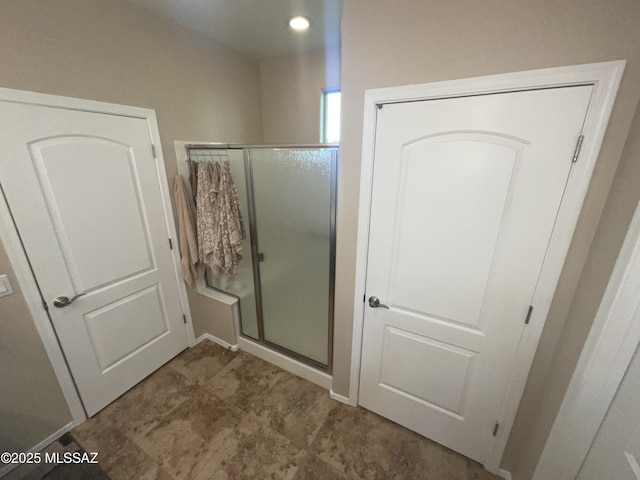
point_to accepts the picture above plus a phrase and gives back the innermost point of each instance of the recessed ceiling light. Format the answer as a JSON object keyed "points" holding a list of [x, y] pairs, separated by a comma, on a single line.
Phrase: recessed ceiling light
{"points": [[299, 23]]}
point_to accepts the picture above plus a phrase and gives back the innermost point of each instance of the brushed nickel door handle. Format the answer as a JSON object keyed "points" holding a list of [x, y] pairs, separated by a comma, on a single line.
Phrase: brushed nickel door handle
{"points": [[61, 302], [374, 302]]}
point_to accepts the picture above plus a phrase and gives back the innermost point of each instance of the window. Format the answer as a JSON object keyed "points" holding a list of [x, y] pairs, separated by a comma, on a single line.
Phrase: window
{"points": [[330, 116]]}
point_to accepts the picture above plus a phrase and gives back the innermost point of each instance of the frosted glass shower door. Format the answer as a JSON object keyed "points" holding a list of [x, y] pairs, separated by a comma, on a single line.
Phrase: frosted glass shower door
{"points": [[292, 191]]}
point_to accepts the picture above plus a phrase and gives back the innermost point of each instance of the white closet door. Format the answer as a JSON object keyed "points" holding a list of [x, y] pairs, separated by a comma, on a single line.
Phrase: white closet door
{"points": [[465, 196], [83, 189]]}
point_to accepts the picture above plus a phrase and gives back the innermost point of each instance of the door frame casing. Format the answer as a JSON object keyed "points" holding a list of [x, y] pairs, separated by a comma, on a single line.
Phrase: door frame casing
{"points": [[605, 77], [18, 257], [599, 372]]}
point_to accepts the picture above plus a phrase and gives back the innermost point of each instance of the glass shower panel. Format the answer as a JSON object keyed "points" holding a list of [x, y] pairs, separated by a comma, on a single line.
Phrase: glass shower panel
{"points": [[242, 285], [292, 198]]}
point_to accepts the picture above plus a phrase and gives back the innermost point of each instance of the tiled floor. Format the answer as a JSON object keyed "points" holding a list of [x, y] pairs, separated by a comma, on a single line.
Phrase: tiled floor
{"points": [[214, 414]]}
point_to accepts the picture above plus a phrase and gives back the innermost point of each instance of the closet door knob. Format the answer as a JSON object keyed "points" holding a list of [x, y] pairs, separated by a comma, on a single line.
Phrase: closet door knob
{"points": [[61, 302], [374, 302]]}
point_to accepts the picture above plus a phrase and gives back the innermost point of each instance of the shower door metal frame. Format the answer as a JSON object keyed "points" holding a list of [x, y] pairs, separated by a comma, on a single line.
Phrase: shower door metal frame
{"points": [[253, 229], [253, 236]]}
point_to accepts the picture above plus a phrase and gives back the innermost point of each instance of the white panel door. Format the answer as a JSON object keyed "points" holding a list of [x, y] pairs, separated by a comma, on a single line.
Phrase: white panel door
{"points": [[465, 195], [615, 452], [83, 189]]}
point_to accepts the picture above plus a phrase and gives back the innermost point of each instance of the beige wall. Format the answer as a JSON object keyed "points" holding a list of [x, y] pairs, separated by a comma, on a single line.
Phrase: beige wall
{"points": [[411, 41], [32, 406], [114, 52], [291, 90], [212, 317]]}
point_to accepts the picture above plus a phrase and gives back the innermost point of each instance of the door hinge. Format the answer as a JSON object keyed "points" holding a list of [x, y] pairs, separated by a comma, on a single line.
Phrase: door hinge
{"points": [[364, 298], [526, 320], [495, 428], [170, 244], [45, 306], [153, 151], [184, 318], [576, 152]]}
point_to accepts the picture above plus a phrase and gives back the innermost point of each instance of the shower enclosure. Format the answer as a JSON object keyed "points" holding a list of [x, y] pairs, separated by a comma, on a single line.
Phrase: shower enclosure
{"points": [[285, 281]]}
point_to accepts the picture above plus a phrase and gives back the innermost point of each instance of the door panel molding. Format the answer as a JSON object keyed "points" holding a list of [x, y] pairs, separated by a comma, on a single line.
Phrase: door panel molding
{"points": [[115, 157], [20, 262], [605, 77]]}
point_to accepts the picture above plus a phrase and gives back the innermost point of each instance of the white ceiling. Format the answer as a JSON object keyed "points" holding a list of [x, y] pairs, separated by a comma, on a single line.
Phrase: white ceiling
{"points": [[256, 27]]}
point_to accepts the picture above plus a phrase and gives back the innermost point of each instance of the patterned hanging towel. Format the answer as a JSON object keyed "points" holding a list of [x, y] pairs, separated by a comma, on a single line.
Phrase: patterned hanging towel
{"points": [[229, 228], [193, 178], [208, 178]]}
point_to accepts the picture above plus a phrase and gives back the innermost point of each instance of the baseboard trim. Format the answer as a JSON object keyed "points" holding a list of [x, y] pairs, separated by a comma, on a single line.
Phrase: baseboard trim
{"points": [[341, 398], [321, 379], [504, 474], [219, 341], [47, 441]]}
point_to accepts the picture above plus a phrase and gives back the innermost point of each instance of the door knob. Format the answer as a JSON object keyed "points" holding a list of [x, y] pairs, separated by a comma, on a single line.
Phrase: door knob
{"points": [[64, 301], [374, 302]]}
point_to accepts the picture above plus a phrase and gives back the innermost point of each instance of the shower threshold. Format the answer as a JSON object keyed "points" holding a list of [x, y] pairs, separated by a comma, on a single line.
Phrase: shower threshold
{"points": [[286, 362]]}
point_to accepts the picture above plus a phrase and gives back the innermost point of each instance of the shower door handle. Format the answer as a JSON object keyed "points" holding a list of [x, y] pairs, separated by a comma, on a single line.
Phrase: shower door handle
{"points": [[374, 302]]}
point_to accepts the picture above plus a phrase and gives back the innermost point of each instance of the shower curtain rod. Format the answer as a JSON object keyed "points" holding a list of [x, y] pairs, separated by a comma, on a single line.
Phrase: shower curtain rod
{"points": [[209, 154], [239, 146]]}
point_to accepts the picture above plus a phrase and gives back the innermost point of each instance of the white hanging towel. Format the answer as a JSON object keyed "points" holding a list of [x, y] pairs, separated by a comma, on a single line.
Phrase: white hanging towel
{"points": [[186, 232]]}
